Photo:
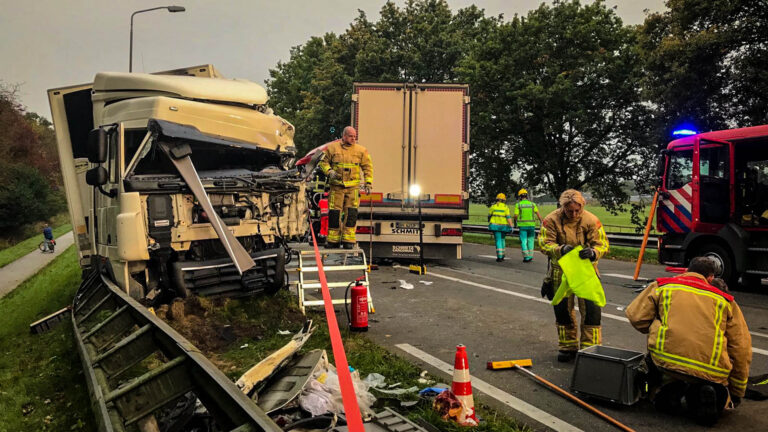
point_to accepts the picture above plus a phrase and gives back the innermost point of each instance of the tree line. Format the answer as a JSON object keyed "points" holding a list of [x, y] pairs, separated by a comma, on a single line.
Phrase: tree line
{"points": [[30, 178], [566, 96]]}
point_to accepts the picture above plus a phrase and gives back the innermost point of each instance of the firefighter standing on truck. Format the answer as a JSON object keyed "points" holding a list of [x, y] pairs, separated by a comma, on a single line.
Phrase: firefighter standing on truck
{"points": [[500, 223], [523, 218], [341, 163], [698, 341], [562, 230]]}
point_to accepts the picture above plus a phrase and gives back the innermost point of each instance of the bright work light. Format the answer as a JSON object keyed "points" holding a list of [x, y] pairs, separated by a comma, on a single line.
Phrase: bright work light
{"points": [[415, 190]]}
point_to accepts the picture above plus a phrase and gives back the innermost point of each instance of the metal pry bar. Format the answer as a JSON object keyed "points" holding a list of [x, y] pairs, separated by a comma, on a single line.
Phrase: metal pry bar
{"points": [[179, 154]]}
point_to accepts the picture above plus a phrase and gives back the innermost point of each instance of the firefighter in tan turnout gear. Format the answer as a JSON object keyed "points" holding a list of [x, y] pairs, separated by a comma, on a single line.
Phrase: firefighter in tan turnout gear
{"points": [[561, 231], [342, 162], [698, 342]]}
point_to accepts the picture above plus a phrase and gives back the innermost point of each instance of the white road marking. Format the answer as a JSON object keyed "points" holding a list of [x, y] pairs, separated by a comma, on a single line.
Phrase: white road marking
{"points": [[618, 275], [758, 334], [488, 256], [518, 405], [541, 300]]}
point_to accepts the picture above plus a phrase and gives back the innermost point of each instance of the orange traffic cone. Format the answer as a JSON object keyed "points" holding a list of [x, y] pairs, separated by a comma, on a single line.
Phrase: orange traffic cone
{"points": [[462, 387]]}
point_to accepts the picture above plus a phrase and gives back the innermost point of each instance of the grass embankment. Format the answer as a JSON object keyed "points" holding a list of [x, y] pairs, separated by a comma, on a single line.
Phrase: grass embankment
{"points": [[620, 253], [41, 383], [29, 237]]}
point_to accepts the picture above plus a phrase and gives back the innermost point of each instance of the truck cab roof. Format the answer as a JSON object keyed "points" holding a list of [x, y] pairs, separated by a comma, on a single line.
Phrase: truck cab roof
{"points": [[111, 86]]}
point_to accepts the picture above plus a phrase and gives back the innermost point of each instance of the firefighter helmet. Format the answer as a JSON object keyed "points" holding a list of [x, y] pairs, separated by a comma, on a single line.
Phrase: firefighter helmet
{"points": [[522, 192], [501, 196]]}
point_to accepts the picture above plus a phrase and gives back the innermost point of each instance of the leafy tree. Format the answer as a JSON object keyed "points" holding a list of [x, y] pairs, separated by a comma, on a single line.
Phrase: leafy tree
{"points": [[25, 197], [705, 62], [423, 41], [556, 103], [29, 171]]}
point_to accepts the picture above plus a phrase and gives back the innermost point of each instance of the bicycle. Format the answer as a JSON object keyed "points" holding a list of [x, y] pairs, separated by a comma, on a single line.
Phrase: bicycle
{"points": [[47, 246]]}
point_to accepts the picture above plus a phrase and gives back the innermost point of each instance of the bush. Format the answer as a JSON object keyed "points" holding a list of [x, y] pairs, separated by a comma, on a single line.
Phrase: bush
{"points": [[25, 197]]}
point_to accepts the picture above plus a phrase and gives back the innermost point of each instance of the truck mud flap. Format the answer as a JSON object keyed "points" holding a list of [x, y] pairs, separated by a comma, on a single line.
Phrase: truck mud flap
{"points": [[220, 276], [135, 365]]}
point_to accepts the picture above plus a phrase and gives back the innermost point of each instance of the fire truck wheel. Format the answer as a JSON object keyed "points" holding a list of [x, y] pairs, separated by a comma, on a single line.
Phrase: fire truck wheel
{"points": [[722, 258]]}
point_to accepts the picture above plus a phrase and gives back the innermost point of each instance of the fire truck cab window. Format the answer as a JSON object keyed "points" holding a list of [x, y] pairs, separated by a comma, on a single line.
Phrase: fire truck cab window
{"points": [[714, 194], [680, 169]]}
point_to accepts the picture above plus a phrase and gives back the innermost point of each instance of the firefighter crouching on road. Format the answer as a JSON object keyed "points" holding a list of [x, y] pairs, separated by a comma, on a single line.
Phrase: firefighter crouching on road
{"points": [[523, 218], [562, 230], [698, 342], [500, 223], [341, 163]]}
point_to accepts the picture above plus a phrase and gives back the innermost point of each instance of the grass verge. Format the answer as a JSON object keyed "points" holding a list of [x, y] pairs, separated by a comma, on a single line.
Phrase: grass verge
{"points": [[41, 381], [12, 253], [619, 253]]}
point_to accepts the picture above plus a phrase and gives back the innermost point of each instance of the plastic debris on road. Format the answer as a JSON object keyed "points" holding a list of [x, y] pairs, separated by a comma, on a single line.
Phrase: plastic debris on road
{"points": [[405, 285]]}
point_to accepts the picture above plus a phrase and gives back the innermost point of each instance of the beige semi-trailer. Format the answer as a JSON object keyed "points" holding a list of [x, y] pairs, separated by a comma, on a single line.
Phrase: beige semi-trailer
{"points": [[179, 182], [416, 134]]}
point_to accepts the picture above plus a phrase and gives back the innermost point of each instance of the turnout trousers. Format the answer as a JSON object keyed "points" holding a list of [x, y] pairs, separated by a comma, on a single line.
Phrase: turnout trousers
{"points": [[501, 243], [527, 236], [565, 317], [342, 200]]}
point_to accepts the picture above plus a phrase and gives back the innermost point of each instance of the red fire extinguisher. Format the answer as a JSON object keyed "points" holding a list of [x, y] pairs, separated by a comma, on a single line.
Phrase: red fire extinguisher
{"points": [[358, 321]]}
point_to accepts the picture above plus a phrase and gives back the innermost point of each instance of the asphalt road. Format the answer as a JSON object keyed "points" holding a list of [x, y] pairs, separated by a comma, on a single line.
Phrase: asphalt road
{"points": [[495, 310], [13, 274]]}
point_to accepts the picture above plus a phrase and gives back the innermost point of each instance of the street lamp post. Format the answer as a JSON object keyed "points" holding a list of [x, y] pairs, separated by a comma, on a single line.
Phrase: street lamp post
{"points": [[130, 49], [415, 191]]}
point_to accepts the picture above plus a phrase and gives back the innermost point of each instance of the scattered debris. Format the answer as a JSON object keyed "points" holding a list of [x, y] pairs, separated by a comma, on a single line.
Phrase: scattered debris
{"points": [[620, 308], [405, 285], [44, 324], [283, 332], [256, 377], [243, 346], [425, 282], [289, 383], [448, 406]]}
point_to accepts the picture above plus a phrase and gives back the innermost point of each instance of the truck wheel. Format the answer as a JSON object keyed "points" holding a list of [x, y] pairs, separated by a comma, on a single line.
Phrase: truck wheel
{"points": [[724, 264]]}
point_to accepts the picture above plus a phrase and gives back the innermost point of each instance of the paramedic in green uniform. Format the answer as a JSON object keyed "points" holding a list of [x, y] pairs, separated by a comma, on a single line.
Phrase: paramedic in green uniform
{"points": [[524, 212], [500, 224]]}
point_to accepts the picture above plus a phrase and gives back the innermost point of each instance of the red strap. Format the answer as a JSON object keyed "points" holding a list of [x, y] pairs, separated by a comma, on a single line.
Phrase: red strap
{"points": [[348, 396], [694, 283]]}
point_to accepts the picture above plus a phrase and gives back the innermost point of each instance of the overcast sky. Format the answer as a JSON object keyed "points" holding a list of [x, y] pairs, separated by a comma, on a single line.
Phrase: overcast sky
{"points": [[54, 43]]}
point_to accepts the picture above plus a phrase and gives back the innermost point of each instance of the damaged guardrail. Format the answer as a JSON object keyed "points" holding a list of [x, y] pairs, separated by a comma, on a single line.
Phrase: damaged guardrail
{"points": [[141, 372], [617, 239]]}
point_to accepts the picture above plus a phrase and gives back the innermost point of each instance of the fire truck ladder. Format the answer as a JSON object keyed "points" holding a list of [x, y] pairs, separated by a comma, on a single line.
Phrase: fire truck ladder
{"points": [[334, 260]]}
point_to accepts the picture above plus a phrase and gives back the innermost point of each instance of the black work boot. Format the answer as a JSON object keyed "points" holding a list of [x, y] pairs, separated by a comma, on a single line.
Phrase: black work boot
{"points": [[329, 245], [669, 397], [348, 245], [702, 403], [565, 356]]}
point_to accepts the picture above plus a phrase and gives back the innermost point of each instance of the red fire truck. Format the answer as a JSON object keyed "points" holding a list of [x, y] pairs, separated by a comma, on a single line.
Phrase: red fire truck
{"points": [[713, 201]]}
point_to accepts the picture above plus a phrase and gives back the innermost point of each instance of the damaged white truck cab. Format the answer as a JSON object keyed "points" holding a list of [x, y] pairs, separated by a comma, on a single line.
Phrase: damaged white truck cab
{"points": [[179, 183]]}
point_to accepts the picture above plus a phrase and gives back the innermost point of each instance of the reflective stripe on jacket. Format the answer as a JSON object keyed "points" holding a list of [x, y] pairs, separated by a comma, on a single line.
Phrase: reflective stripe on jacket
{"points": [[347, 161], [695, 329], [499, 214], [557, 230], [525, 212]]}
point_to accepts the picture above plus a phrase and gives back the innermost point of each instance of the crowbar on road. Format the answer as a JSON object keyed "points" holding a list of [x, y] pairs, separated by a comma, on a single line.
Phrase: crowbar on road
{"points": [[576, 400]]}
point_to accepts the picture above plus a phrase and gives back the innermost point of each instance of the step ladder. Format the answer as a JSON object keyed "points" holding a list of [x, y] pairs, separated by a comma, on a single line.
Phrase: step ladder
{"points": [[334, 261]]}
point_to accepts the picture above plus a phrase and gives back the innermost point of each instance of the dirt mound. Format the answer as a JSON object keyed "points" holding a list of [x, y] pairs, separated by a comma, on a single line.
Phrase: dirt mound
{"points": [[212, 325]]}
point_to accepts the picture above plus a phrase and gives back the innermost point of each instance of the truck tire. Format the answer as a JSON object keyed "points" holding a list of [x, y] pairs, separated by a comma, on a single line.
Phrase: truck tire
{"points": [[724, 268]]}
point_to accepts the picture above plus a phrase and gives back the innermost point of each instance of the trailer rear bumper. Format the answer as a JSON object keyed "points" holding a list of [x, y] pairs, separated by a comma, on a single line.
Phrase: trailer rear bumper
{"points": [[411, 250]]}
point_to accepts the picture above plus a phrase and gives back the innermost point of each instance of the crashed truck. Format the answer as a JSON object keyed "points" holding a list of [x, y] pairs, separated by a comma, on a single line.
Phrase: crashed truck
{"points": [[179, 183]]}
